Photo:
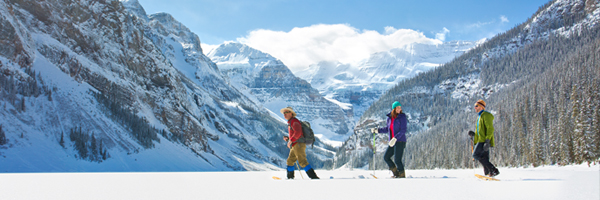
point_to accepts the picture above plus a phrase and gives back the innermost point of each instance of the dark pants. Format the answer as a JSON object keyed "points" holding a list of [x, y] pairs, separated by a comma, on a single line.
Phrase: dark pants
{"points": [[484, 158], [397, 151]]}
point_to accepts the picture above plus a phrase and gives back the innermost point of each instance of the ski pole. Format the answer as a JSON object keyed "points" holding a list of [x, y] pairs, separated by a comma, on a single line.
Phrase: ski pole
{"points": [[473, 149], [373, 159], [297, 166], [374, 149]]}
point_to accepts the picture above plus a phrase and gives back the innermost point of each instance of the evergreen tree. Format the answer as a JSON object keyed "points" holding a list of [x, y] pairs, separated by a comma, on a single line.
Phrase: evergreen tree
{"points": [[3, 139], [12, 90], [587, 143], [22, 104], [80, 139], [579, 116], [104, 155], [596, 133], [62, 140], [595, 126], [101, 151], [554, 144], [520, 139], [536, 154], [564, 127], [93, 148]]}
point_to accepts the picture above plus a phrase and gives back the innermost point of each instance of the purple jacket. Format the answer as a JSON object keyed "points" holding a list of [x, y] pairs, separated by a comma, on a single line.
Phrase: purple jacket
{"points": [[400, 124]]}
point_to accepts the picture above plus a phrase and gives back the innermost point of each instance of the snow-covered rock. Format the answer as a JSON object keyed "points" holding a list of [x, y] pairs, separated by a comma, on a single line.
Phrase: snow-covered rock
{"points": [[266, 79]]}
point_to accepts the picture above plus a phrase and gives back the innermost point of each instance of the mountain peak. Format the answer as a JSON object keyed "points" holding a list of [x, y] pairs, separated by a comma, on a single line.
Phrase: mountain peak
{"points": [[136, 8], [168, 20], [233, 51]]}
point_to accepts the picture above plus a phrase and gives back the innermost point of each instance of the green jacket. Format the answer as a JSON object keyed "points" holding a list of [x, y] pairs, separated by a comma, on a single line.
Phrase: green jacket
{"points": [[485, 128]]}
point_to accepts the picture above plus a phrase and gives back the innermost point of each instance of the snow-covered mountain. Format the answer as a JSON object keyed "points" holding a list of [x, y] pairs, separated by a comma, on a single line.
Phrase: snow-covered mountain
{"points": [[484, 71], [101, 86], [271, 83], [360, 84]]}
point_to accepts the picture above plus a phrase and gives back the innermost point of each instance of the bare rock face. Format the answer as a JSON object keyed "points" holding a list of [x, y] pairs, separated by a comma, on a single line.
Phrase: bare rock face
{"points": [[14, 43]]}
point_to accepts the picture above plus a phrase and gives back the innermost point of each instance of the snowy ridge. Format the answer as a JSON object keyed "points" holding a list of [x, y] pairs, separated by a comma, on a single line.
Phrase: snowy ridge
{"points": [[561, 8], [541, 25]]}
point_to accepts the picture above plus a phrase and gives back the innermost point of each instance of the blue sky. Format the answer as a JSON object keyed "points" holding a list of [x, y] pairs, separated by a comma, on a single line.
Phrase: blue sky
{"points": [[217, 21]]}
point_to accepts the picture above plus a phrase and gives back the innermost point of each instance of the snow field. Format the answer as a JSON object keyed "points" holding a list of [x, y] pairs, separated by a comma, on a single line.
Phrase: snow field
{"points": [[550, 182]]}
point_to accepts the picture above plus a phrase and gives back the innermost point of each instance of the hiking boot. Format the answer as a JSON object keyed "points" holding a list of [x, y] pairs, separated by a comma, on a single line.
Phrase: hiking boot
{"points": [[311, 174], [395, 172], [402, 175], [494, 172], [290, 174]]}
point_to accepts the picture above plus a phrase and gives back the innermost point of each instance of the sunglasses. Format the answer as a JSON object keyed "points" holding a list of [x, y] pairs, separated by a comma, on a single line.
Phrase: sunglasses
{"points": [[286, 112]]}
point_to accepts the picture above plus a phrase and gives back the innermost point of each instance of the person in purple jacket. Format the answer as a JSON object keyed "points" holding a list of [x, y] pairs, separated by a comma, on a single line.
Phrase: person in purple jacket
{"points": [[396, 127]]}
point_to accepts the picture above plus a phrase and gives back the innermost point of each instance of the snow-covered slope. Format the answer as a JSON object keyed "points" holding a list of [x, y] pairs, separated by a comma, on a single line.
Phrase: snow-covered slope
{"points": [[360, 84], [272, 84], [100, 86]]}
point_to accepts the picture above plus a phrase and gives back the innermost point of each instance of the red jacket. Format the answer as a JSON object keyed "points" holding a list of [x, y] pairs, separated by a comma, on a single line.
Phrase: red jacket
{"points": [[295, 130]]}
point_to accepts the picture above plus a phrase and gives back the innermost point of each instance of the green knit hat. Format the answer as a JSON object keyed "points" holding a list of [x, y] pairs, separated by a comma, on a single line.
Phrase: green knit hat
{"points": [[396, 104]]}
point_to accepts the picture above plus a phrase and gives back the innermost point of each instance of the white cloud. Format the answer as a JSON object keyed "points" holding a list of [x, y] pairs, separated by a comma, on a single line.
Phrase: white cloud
{"points": [[304, 46], [503, 19], [206, 48], [479, 24], [390, 30], [442, 35]]}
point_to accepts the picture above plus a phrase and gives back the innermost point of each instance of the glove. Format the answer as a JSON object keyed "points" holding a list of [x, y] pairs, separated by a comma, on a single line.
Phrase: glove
{"points": [[486, 145], [392, 142], [374, 130], [286, 138], [471, 133]]}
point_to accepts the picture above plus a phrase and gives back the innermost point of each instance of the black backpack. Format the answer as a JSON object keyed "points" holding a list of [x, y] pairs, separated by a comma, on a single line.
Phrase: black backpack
{"points": [[308, 136]]}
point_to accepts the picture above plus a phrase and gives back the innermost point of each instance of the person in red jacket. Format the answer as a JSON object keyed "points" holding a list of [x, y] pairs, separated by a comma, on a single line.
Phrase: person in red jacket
{"points": [[297, 149]]}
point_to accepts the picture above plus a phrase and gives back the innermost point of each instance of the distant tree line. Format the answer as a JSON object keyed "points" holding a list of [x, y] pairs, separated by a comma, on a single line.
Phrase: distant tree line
{"points": [[87, 146], [15, 90], [553, 118], [549, 116], [144, 133]]}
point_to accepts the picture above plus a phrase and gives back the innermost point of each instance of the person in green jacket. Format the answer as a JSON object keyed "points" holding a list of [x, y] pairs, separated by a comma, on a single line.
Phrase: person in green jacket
{"points": [[483, 139]]}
